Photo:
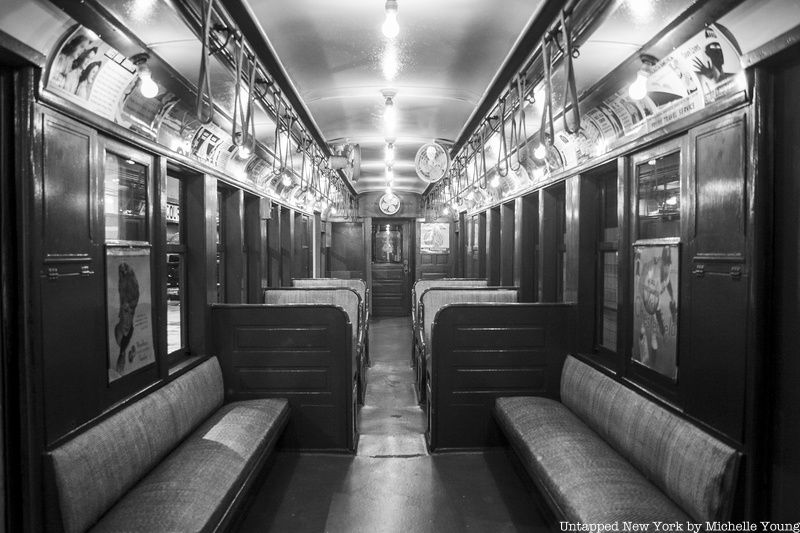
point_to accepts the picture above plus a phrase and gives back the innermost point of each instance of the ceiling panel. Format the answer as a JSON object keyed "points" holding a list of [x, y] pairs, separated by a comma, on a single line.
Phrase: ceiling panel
{"points": [[447, 53]]}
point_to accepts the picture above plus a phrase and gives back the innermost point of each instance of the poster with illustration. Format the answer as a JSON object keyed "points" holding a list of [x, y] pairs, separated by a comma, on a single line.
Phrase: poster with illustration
{"points": [[705, 64], [90, 72], [435, 238], [129, 310], [655, 306]]}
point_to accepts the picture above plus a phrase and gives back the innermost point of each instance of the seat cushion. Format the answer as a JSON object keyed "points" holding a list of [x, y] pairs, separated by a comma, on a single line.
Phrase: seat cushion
{"points": [[97, 467], [696, 470], [193, 486], [581, 475]]}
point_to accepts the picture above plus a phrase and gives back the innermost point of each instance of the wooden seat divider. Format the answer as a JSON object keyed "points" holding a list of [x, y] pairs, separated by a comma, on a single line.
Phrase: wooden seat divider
{"points": [[420, 286], [482, 351], [346, 298], [302, 352], [435, 298], [358, 285]]}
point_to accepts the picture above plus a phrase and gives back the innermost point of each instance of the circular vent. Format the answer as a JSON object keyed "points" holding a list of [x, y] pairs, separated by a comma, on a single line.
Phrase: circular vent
{"points": [[389, 203], [432, 162]]}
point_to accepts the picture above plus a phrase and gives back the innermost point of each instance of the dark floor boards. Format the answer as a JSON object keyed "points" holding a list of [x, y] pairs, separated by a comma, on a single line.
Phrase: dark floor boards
{"points": [[392, 484]]}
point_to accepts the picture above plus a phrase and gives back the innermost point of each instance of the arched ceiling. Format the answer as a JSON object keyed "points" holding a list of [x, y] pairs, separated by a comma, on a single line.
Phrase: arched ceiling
{"points": [[447, 53]]}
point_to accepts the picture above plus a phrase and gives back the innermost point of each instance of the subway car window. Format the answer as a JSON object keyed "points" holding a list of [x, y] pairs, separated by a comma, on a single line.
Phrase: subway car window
{"points": [[607, 263], [399, 266], [177, 266], [125, 201]]}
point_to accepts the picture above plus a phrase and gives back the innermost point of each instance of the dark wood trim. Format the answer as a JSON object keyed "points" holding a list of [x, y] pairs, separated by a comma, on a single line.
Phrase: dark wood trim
{"points": [[493, 245], [526, 234], [233, 214], [256, 211], [15, 53], [274, 246], [507, 244], [760, 348], [201, 285], [771, 48]]}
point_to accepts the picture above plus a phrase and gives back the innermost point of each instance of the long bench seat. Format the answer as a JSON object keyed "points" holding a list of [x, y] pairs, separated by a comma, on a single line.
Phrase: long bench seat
{"points": [[606, 454], [175, 460]]}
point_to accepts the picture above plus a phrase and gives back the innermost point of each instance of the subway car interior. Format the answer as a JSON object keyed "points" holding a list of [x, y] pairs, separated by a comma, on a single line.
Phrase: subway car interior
{"points": [[400, 265]]}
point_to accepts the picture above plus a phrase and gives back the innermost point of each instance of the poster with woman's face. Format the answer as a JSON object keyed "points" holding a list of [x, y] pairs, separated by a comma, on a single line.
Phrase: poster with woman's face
{"points": [[129, 311]]}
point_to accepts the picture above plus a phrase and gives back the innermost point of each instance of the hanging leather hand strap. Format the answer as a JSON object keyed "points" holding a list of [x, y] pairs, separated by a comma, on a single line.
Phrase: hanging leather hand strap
{"points": [[204, 105], [547, 131], [570, 89], [502, 156]]}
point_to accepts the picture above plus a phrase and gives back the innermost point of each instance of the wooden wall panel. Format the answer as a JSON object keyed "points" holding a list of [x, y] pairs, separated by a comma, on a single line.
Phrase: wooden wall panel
{"points": [[713, 367], [507, 248], [492, 246], [526, 236], [346, 255]]}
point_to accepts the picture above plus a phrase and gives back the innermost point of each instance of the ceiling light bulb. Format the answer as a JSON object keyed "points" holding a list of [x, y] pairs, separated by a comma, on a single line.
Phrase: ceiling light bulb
{"points": [[389, 190], [445, 210], [389, 173], [494, 182], [390, 26], [638, 88], [389, 154], [389, 114], [540, 152], [147, 86], [286, 180], [244, 151], [333, 210]]}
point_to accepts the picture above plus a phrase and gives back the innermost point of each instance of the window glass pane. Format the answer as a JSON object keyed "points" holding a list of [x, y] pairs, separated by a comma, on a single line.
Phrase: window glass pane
{"points": [[174, 303], [125, 199], [659, 188], [387, 243], [173, 216], [176, 267], [608, 332]]}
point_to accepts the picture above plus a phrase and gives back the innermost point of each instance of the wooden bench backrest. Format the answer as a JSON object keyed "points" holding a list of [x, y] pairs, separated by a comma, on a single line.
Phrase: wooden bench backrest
{"points": [[93, 470], [358, 285], [346, 298], [697, 471], [420, 286], [435, 298]]}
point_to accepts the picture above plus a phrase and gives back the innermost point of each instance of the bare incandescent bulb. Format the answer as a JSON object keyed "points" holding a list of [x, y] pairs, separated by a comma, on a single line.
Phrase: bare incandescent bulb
{"points": [[390, 26], [147, 86], [638, 88]]}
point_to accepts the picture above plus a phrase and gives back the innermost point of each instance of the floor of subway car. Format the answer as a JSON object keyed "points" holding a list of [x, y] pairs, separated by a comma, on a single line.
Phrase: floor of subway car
{"points": [[392, 484]]}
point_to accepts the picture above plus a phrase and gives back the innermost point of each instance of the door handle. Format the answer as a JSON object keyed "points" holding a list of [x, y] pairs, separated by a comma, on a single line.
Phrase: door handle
{"points": [[405, 266]]}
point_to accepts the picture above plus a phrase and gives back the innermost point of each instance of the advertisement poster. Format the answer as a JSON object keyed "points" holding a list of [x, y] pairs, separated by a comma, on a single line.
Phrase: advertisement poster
{"points": [[90, 72], [655, 307], [434, 238], [129, 310]]}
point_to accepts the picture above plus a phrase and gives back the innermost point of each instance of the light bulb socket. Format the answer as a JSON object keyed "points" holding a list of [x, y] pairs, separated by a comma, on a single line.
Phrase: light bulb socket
{"points": [[391, 5]]}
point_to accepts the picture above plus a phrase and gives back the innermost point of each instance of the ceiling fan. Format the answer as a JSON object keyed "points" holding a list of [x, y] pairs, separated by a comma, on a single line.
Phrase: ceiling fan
{"points": [[347, 158]]}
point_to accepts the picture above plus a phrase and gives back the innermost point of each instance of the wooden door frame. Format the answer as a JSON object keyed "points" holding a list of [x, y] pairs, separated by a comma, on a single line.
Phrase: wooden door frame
{"points": [[409, 248]]}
